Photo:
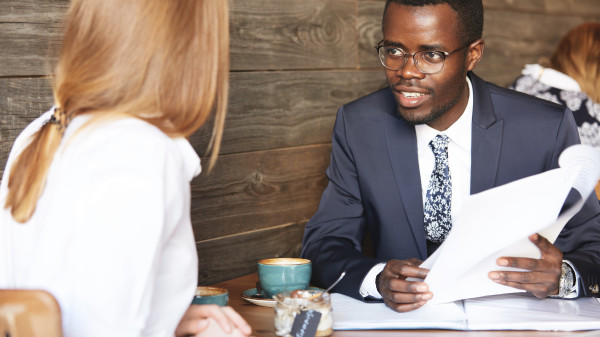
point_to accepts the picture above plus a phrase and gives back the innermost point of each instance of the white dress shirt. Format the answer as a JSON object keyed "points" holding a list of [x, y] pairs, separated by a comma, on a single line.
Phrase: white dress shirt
{"points": [[111, 236], [459, 161]]}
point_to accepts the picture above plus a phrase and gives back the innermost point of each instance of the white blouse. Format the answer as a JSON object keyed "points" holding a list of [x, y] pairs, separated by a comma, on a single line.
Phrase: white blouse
{"points": [[111, 236]]}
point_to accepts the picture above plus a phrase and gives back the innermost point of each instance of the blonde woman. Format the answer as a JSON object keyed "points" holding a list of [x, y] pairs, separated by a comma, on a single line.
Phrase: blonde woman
{"points": [[571, 77], [96, 193]]}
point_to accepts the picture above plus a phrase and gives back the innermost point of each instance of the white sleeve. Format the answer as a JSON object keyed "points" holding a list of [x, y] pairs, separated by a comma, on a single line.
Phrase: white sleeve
{"points": [[368, 286]]}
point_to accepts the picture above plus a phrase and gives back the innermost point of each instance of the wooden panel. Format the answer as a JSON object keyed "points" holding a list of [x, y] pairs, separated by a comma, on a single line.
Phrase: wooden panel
{"points": [[266, 34], [21, 101], [505, 55], [583, 8], [232, 256], [267, 110], [370, 14], [256, 190], [293, 34], [282, 109], [32, 10], [29, 36]]}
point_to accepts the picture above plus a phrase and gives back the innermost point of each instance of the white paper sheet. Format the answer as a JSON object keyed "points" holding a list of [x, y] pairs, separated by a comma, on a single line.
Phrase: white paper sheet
{"points": [[524, 312], [501, 312], [351, 314], [497, 222]]}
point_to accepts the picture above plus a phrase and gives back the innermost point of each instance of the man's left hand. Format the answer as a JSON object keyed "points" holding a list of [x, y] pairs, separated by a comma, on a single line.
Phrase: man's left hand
{"points": [[543, 274]]}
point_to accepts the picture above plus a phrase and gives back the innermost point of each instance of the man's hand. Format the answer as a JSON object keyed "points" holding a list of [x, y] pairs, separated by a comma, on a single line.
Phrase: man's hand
{"points": [[542, 276], [399, 294]]}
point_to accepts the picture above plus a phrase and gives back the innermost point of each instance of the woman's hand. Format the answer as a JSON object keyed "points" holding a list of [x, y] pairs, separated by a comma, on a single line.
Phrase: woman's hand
{"points": [[196, 320]]}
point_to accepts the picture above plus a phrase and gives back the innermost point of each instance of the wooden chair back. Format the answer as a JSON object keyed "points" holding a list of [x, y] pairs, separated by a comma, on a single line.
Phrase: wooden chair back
{"points": [[29, 313]]}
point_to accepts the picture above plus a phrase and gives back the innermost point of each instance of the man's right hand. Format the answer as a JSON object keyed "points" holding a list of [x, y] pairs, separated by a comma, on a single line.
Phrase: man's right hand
{"points": [[398, 293]]}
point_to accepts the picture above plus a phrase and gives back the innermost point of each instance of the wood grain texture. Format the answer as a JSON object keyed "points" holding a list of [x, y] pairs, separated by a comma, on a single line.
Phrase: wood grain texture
{"points": [[269, 110], [505, 55], [589, 9], [29, 35], [256, 190], [370, 14], [32, 10], [293, 34], [21, 101], [26, 48], [228, 257]]}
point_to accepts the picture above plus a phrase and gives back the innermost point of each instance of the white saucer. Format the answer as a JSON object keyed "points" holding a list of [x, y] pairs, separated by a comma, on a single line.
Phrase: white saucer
{"points": [[252, 296]]}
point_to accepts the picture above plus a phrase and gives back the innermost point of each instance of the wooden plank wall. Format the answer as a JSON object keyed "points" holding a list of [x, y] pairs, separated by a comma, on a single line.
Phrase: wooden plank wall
{"points": [[293, 62]]}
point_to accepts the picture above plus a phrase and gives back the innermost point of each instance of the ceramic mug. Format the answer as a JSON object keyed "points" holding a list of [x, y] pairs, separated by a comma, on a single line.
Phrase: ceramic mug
{"points": [[276, 275], [211, 295]]}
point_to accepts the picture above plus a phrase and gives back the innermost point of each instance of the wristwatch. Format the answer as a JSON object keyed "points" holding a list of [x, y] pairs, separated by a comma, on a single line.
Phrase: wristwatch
{"points": [[567, 285]]}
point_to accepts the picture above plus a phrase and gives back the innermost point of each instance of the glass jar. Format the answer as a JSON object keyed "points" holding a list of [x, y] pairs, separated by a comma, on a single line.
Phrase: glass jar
{"points": [[291, 303]]}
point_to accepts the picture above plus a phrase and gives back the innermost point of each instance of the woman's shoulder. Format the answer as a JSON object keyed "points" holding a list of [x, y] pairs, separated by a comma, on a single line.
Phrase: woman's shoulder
{"points": [[128, 141]]}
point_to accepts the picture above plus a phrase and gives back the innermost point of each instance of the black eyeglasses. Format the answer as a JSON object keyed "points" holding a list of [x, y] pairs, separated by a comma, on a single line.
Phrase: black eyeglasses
{"points": [[427, 61]]}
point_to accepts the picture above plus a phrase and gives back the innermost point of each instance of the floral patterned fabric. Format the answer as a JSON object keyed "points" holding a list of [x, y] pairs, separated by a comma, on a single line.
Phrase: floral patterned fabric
{"points": [[585, 111], [439, 193]]}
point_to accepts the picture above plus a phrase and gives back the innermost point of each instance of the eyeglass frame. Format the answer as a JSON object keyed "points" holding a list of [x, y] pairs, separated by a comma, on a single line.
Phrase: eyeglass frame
{"points": [[415, 62]]}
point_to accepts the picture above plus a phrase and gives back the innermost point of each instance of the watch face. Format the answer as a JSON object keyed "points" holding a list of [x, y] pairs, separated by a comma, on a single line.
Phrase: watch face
{"points": [[569, 280]]}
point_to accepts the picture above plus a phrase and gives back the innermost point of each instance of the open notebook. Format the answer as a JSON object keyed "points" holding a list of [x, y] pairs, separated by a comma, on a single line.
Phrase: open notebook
{"points": [[499, 312]]}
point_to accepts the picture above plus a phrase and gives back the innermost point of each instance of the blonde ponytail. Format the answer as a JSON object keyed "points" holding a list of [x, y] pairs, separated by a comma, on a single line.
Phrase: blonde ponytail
{"points": [[29, 172]]}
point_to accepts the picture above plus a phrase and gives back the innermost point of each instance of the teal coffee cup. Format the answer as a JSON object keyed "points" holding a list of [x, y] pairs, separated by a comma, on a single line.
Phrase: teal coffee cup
{"points": [[211, 295], [283, 274]]}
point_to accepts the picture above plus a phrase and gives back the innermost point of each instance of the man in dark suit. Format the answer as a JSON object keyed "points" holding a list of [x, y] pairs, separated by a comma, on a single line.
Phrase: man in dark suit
{"points": [[405, 158]]}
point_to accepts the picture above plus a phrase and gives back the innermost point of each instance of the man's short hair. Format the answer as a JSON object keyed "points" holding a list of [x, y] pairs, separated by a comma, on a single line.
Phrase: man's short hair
{"points": [[470, 15]]}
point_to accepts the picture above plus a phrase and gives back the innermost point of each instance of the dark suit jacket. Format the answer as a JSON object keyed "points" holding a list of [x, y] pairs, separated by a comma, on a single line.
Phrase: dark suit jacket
{"points": [[374, 183]]}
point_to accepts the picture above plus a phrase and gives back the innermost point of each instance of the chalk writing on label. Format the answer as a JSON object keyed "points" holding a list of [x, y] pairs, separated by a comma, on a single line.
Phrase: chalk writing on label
{"points": [[306, 323]]}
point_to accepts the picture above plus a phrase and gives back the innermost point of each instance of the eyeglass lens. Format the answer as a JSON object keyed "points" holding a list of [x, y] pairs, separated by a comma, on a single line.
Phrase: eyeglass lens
{"points": [[428, 62]]}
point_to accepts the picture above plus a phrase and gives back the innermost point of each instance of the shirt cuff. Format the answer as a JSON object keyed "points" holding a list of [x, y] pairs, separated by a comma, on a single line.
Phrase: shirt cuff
{"points": [[368, 288]]}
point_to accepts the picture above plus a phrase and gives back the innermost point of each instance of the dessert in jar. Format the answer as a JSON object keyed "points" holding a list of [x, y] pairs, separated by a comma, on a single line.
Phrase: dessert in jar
{"points": [[290, 303]]}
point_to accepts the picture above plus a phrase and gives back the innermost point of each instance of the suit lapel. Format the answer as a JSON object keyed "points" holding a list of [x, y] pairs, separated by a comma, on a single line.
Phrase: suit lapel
{"points": [[486, 138], [402, 148]]}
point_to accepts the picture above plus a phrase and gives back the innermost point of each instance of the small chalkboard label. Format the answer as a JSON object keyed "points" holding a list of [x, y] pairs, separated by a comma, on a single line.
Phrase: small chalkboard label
{"points": [[306, 323]]}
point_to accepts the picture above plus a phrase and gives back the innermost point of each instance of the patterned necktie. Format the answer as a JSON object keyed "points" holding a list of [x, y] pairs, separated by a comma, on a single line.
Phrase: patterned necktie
{"points": [[439, 193]]}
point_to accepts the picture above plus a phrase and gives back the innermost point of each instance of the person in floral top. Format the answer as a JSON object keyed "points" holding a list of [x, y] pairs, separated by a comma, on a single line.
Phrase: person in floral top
{"points": [[571, 78]]}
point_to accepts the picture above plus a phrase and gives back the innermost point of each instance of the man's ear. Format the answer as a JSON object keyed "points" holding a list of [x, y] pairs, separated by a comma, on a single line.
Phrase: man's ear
{"points": [[474, 54]]}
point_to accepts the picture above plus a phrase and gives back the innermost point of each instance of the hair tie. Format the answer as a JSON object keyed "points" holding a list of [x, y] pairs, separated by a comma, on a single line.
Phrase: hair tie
{"points": [[59, 118], [52, 120]]}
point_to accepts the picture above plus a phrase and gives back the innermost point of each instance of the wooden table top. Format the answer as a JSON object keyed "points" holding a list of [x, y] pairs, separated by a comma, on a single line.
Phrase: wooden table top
{"points": [[262, 319]]}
